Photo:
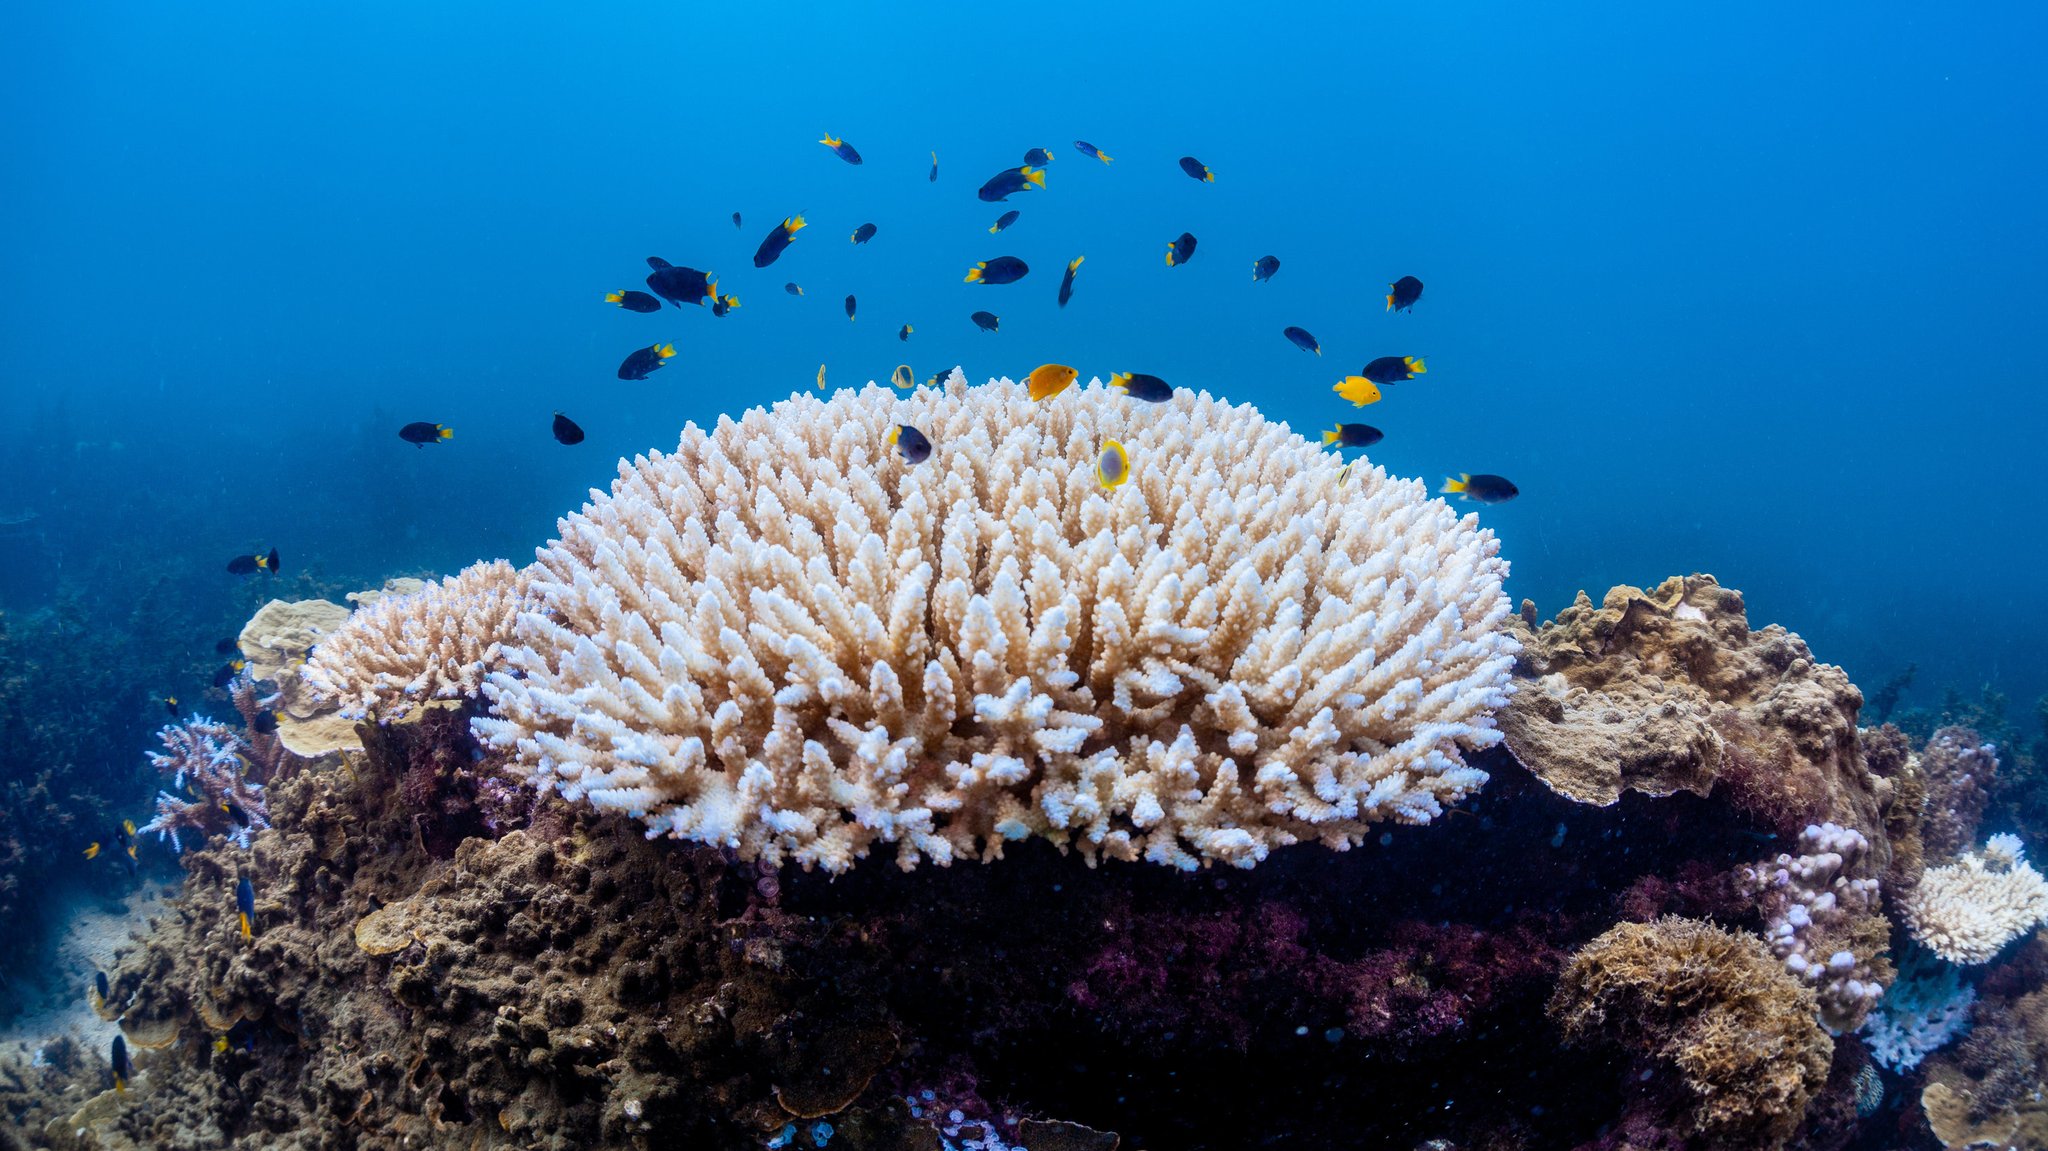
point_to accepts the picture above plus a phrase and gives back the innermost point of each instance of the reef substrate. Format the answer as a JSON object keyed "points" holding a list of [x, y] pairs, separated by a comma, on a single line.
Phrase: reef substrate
{"points": [[1579, 957]]}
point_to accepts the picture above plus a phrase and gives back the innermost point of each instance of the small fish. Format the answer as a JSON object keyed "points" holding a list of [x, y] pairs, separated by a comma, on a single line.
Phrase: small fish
{"points": [[841, 148], [124, 1068], [245, 902], [1393, 369], [223, 647], [903, 333], [724, 304], [99, 984], [911, 444], [251, 564], [778, 238], [420, 433], [1001, 270], [633, 301], [1049, 380], [934, 177], [1300, 338], [171, 705], [1402, 294], [1181, 250], [793, 289], [735, 219], [1005, 220], [220, 1044], [566, 430], [1353, 436], [1359, 390], [1486, 489], [1087, 149], [235, 812], [1139, 386], [1197, 169], [1011, 180], [1038, 157], [93, 850], [226, 675], [986, 321], [264, 723], [821, 377], [1264, 267], [1344, 473], [864, 233], [646, 361], [679, 285], [938, 378], [903, 377], [1112, 465], [1067, 282], [850, 305]]}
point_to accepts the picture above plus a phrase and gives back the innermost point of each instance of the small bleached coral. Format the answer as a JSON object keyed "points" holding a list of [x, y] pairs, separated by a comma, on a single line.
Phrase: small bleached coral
{"points": [[1717, 1008], [207, 764], [1927, 1006], [1811, 906], [399, 651], [1968, 910], [784, 640]]}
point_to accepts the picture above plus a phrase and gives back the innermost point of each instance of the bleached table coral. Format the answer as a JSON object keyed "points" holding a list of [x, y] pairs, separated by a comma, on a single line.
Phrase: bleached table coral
{"points": [[783, 639]]}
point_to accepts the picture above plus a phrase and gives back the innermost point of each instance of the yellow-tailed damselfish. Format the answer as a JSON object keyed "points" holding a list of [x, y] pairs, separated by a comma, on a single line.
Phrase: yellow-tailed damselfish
{"points": [[679, 285], [566, 430], [1067, 281], [910, 443], [245, 903], [841, 148], [1049, 380], [92, 850], [420, 433], [1300, 338], [1264, 267], [1001, 270], [124, 1068], [633, 301], [644, 362], [1005, 220], [1359, 390], [1001, 185], [778, 238], [226, 673], [735, 219], [986, 321], [1197, 169], [171, 705], [1139, 386], [1181, 250], [1038, 157], [1087, 149], [903, 333], [1393, 369], [99, 984], [264, 723], [1402, 294], [793, 288], [1112, 465], [250, 564], [234, 811], [1353, 436], [864, 233], [903, 377], [724, 304], [1484, 488], [852, 305]]}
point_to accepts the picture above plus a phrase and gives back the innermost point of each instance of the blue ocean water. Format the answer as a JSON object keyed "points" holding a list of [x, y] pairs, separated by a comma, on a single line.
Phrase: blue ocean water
{"points": [[1752, 291]]}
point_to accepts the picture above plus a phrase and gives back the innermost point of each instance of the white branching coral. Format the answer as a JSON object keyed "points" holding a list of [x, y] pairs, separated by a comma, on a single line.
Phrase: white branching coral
{"points": [[1968, 910], [785, 640], [207, 763], [435, 643]]}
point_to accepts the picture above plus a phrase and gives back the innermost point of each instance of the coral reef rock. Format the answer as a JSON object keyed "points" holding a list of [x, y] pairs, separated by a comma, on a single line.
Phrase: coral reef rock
{"points": [[1960, 770], [1716, 1006], [1667, 690], [784, 640]]}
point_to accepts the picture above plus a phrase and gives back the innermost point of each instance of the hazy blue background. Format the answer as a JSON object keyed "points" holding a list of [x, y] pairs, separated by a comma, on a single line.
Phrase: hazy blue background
{"points": [[1752, 290]]}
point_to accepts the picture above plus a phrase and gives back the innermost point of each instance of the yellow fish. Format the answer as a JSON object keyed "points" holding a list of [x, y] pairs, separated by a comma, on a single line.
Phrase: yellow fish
{"points": [[821, 377], [1112, 465], [1359, 390], [1049, 380], [93, 852]]}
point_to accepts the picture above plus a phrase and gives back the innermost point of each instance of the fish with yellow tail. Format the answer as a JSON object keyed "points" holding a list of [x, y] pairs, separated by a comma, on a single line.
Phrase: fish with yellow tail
{"points": [[245, 904], [845, 151], [420, 433], [644, 362], [1067, 283], [1359, 390], [1001, 270], [911, 444], [633, 301], [779, 237], [1087, 149], [1181, 250], [1049, 380], [1139, 386], [1353, 436], [124, 1067], [1480, 488], [1393, 369], [1402, 294], [251, 564], [1112, 465], [1009, 181]]}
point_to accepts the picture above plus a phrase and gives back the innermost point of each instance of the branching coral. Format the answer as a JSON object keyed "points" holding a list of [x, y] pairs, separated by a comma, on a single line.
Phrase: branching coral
{"points": [[212, 759], [1968, 910], [1927, 1006], [784, 640], [1740, 1031], [1811, 906], [399, 651]]}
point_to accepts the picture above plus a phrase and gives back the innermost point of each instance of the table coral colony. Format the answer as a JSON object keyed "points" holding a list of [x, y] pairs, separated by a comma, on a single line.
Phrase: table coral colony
{"points": [[782, 639]]}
